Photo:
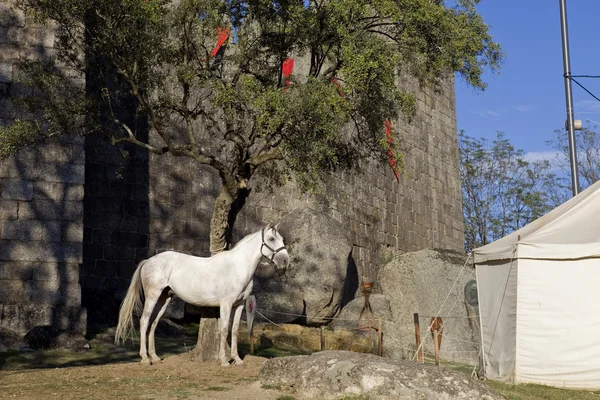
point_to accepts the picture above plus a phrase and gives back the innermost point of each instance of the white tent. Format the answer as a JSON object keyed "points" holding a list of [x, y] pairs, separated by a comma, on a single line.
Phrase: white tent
{"points": [[539, 298]]}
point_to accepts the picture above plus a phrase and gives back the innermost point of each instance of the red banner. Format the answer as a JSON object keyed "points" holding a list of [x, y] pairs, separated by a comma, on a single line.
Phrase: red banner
{"points": [[390, 141]]}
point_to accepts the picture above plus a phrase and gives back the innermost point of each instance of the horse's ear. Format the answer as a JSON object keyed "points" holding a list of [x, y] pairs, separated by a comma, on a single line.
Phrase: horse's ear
{"points": [[277, 226], [268, 226]]}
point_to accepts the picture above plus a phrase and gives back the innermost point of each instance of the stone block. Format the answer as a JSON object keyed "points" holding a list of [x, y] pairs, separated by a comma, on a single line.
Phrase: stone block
{"points": [[130, 239], [196, 229], [125, 269], [18, 270], [42, 292], [58, 272], [58, 192], [141, 192], [12, 291], [5, 92], [91, 283], [40, 209], [21, 230], [143, 253], [94, 251], [9, 209], [65, 173], [40, 230], [17, 189], [10, 15], [19, 250], [106, 269], [119, 253], [70, 318], [39, 37], [12, 35], [105, 205], [136, 208], [22, 317], [6, 72], [121, 189], [101, 236]]}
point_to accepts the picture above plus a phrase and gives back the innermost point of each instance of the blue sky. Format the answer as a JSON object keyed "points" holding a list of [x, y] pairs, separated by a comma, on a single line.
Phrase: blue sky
{"points": [[526, 100]]}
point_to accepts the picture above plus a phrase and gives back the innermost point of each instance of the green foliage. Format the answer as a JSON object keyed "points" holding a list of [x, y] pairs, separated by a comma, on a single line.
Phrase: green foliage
{"points": [[502, 192], [149, 66], [15, 136], [157, 54], [587, 144]]}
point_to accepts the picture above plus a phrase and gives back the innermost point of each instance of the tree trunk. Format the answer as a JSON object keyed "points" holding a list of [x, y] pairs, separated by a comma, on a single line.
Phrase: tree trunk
{"points": [[207, 347], [223, 217]]}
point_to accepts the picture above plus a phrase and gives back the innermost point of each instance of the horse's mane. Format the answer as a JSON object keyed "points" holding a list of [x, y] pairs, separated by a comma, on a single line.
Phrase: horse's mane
{"points": [[246, 238]]}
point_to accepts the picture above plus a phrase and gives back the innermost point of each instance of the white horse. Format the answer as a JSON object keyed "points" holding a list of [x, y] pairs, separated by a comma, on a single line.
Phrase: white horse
{"points": [[223, 280]]}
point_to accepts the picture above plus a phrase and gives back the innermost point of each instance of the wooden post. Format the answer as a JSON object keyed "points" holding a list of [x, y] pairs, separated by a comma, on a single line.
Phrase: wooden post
{"points": [[379, 339], [418, 337], [322, 338], [252, 342], [436, 347]]}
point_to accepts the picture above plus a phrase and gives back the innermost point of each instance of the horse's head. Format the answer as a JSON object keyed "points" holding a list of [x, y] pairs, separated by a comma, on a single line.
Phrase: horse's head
{"points": [[273, 248]]}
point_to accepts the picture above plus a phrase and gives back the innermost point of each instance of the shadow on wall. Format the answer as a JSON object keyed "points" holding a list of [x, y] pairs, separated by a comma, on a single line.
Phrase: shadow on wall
{"points": [[116, 210], [42, 233], [41, 193]]}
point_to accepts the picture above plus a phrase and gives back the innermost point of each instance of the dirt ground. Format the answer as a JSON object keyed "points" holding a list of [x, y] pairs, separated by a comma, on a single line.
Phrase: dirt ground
{"points": [[108, 371], [176, 377]]}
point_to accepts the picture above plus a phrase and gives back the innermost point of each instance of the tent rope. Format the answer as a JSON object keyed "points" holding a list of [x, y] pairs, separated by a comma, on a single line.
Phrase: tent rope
{"points": [[443, 303]]}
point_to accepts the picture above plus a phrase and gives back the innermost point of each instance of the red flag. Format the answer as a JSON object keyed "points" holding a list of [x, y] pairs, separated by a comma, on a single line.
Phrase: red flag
{"points": [[388, 135], [337, 84], [287, 68], [222, 36]]}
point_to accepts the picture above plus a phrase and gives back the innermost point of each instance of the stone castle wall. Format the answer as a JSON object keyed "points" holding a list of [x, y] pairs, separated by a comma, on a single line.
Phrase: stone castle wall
{"points": [[77, 217], [422, 210], [41, 204]]}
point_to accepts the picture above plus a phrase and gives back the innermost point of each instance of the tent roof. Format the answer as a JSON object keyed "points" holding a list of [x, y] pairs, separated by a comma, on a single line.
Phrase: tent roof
{"points": [[570, 231]]}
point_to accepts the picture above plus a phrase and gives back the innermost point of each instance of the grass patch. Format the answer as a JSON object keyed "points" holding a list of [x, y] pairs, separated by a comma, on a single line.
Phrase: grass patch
{"points": [[526, 391], [530, 391], [272, 352], [286, 397], [271, 387], [354, 397], [217, 388], [101, 353]]}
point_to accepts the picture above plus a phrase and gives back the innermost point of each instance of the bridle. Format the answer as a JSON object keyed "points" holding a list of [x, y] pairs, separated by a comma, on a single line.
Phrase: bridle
{"points": [[273, 251]]}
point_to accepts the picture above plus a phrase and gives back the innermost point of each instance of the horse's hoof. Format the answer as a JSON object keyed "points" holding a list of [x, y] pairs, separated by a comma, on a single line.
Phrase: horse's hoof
{"points": [[156, 360], [238, 361], [225, 364], [145, 362]]}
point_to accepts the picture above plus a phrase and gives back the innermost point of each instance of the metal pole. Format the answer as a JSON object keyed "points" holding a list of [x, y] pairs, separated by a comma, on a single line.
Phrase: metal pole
{"points": [[569, 97]]}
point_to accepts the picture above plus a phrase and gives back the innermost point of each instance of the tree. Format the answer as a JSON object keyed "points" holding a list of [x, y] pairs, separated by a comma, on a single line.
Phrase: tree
{"points": [[587, 144], [502, 192], [157, 53]]}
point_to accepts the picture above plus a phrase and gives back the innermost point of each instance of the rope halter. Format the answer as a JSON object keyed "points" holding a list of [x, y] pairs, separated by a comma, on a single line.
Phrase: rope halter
{"points": [[273, 251]]}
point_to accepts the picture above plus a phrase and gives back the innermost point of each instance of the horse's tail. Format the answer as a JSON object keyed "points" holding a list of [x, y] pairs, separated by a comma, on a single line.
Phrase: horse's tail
{"points": [[132, 303]]}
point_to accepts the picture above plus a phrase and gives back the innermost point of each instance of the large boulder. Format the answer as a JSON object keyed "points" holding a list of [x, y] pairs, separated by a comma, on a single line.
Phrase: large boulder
{"points": [[335, 374], [321, 277], [431, 283], [348, 317]]}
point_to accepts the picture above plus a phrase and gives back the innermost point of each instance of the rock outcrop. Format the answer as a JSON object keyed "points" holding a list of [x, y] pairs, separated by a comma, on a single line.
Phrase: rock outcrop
{"points": [[334, 374], [315, 286]]}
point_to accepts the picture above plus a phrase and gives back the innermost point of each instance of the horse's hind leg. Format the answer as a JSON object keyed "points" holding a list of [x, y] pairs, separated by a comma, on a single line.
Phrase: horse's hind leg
{"points": [[152, 297], [234, 334], [225, 312], [161, 306]]}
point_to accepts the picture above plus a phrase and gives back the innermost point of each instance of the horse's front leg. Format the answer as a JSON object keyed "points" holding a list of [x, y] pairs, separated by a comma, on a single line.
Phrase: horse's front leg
{"points": [[234, 334], [225, 313]]}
